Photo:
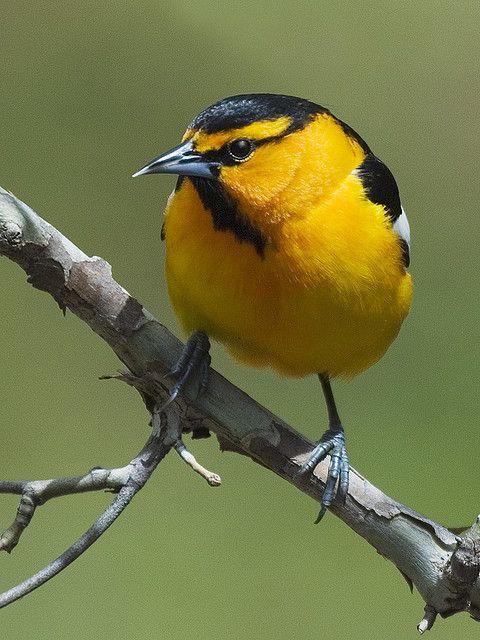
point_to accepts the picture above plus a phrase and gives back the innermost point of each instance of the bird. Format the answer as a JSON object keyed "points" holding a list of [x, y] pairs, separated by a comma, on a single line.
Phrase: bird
{"points": [[287, 242]]}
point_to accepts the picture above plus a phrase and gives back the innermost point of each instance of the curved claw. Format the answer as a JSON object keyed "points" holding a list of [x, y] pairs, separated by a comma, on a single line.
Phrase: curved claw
{"points": [[321, 513]]}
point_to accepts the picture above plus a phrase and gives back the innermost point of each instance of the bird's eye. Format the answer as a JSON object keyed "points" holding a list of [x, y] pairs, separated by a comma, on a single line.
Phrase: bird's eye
{"points": [[240, 149]]}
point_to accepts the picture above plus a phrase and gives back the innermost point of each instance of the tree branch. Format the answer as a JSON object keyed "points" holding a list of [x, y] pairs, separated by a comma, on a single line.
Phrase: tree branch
{"points": [[125, 481], [443, 566]]}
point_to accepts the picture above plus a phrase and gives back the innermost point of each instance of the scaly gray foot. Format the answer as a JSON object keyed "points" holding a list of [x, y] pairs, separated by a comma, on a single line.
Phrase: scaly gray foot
{"points": [[193, 361], [333, 443]]}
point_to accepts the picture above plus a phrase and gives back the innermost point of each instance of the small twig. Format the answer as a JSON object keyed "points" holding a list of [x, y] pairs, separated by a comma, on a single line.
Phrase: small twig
{"points": [[428, 620], [38, 492], [107, 518], [164, 434], [213, 479]]}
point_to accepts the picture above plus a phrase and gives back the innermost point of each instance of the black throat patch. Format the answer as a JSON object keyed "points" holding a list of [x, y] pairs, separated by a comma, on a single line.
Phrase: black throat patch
{"points": [[225, 215]]}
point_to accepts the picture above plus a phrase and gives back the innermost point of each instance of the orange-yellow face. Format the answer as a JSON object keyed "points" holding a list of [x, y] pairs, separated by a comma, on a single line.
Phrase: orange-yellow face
{"points": [[259, 159], [271, 174]]}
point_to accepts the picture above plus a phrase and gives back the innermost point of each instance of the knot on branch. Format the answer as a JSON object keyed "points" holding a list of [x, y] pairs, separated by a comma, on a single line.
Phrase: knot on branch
{"points": [[10, 234], [465, 561], [462, 573]]}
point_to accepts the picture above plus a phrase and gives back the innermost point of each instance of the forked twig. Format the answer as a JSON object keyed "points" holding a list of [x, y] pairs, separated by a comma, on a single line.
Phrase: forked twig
{"points": [[125, 481]]}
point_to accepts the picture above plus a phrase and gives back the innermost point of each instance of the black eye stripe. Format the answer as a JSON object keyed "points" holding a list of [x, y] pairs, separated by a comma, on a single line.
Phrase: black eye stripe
{"points": [[223, 156]]}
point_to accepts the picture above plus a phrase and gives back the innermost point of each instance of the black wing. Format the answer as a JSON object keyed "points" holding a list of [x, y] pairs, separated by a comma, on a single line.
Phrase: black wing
{"points": [[380, 188]]}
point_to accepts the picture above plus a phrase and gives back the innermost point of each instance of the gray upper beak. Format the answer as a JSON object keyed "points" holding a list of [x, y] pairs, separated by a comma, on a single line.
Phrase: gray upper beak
{"points": [[182, 160]]}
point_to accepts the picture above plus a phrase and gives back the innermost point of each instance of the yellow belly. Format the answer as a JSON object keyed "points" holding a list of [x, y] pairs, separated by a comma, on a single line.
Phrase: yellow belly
{"points": [[329, 296]]}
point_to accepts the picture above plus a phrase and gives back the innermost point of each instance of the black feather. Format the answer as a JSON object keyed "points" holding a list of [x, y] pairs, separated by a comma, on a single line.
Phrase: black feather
{"points": [[225, 214], [381, 188], [239, 111]]}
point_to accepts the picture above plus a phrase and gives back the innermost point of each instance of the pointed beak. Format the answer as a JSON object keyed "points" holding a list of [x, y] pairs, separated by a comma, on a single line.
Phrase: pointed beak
{"points": [[183, 161]]}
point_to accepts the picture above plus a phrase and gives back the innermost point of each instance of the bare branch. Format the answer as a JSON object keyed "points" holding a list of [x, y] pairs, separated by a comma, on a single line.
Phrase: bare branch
{"points": [[128, 480], [72, 553], [443, 566], [37, 492]]}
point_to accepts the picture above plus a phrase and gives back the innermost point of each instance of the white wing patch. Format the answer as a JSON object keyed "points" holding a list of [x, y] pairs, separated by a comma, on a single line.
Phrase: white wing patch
{"points": [[402, 228]]}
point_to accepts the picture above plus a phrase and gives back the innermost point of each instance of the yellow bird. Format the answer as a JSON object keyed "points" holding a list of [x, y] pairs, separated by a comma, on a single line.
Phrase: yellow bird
{"points": [[286, 241]]}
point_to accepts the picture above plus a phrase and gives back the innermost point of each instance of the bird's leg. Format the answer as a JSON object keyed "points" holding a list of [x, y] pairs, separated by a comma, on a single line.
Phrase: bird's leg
{"points": [[332, 442], [194, 360]]}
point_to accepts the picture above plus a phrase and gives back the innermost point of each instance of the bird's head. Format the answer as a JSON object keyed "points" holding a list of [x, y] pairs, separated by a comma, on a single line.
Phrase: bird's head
{"points": [[271, 155]]}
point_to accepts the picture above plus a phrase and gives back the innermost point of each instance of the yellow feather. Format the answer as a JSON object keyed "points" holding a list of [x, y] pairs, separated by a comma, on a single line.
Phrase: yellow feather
{"points": [[255, 131]]}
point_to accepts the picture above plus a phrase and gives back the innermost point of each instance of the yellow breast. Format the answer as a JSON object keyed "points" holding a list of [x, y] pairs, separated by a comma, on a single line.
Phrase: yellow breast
{"points": [[328, 295]]}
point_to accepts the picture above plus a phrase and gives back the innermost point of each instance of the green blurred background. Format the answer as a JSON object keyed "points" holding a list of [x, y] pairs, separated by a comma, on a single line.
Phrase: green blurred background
{"points": [[89, 92]]}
